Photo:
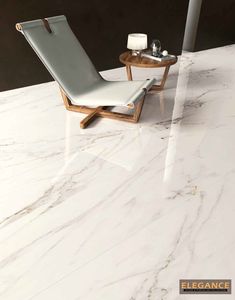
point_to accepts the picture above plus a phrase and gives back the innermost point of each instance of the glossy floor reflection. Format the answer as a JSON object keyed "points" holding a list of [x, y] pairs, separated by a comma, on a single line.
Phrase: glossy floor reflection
{"points": [[120, 211]]}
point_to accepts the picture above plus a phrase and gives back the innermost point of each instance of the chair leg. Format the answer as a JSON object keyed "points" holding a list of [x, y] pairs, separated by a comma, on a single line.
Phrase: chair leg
{"points": [[89, 118], [102, 112], [67, 102], [139, 107], [138, 110]]}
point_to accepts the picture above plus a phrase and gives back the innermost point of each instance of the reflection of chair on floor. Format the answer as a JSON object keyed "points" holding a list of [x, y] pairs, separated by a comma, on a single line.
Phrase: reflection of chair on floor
{"points": [[83, 89], [122, 148]]}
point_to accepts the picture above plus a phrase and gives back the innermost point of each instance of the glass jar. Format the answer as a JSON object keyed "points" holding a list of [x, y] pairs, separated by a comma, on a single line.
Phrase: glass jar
{"points": [[156, 48]]}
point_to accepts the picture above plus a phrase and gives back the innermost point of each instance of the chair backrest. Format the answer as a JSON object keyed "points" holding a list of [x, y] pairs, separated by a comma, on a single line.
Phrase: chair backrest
{"points": [[61, 53]]}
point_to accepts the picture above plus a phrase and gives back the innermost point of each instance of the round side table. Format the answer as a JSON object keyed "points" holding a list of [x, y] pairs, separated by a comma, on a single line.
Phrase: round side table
{"points": [[129, 60]]}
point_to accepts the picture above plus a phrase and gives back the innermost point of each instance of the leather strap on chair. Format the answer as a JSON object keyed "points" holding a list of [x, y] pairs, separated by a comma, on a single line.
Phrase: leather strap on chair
{"points": [[47, 26]]}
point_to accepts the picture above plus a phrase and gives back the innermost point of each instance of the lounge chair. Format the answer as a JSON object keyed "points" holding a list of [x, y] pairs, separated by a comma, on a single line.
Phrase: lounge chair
{"points": [[82, 87]]}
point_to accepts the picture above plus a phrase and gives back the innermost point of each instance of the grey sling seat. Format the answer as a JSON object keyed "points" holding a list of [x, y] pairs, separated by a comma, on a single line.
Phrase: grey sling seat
{"points": [[83, 89]]}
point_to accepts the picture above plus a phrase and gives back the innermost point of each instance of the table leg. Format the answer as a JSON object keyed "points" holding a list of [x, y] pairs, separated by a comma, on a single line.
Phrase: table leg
{"points": [[129, 73], [159, 87], [164, 77]]}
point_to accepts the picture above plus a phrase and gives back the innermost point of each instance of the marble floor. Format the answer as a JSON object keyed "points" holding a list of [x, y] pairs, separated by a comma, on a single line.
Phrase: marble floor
{"points": [[120, 211]]}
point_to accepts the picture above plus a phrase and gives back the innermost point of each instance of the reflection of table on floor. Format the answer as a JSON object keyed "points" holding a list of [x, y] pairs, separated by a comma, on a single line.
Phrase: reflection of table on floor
{"points": [[142, 62]]}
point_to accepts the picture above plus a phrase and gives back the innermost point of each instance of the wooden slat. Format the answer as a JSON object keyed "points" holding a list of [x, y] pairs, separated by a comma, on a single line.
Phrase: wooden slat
{"points": [[89, 118]]}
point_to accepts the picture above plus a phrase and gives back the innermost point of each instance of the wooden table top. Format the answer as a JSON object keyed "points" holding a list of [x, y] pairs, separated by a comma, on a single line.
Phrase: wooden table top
{"points": [[137, 61]]}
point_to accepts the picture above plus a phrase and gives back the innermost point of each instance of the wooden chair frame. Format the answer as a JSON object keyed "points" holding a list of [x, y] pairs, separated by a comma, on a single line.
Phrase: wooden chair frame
{"points": [[103, 112], [100, 111]]}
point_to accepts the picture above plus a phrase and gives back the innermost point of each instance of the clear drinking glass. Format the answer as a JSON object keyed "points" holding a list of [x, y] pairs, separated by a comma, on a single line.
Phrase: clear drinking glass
{"points": [[156, 48]]}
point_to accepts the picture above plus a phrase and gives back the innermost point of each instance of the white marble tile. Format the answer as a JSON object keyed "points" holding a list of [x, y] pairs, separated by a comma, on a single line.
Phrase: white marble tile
{"points": [[120, 211]]}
